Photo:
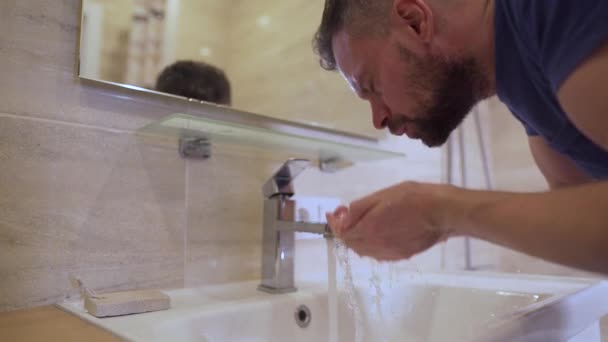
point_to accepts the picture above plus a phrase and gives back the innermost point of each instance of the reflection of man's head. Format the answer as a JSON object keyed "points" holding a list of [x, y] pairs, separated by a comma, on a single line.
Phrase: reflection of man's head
{"points": [[196, 80]]}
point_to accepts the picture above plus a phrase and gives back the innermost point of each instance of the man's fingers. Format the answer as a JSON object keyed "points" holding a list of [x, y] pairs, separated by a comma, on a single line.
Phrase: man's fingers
{"points": [[358, 209], [344, 219], [336, 220], [334, 224], [367, 224]]}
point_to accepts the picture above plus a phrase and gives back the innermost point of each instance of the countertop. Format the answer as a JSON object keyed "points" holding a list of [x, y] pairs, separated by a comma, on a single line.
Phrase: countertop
{"points": [[49, 323]]}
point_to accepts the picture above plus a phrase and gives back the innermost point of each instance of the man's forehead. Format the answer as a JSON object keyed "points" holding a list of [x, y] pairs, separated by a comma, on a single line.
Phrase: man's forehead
{"points": [[349, 63]]}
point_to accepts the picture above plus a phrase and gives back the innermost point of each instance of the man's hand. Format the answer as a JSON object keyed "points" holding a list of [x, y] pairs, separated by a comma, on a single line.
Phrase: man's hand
{"points": [[568, 226], [395, 223]]}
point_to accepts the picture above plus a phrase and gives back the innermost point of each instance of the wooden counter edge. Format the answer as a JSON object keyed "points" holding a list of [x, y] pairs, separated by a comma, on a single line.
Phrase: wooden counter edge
{"points": [[50, 323]]}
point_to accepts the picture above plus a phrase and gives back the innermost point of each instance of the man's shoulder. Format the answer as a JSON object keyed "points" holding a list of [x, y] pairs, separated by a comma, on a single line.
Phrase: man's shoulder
{"points": [[546, 20]]}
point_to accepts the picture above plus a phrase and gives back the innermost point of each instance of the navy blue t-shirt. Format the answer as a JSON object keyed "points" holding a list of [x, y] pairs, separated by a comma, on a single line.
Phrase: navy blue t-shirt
{"points": [[539, 43]]}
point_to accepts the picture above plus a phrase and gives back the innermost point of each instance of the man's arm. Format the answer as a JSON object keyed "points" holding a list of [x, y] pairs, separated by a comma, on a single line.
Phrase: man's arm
{"points": [[567, 226], [559, 171]]}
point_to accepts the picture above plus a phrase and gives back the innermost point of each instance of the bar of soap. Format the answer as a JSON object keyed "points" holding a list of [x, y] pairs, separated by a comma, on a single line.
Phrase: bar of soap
{"points": [[126, 303]]}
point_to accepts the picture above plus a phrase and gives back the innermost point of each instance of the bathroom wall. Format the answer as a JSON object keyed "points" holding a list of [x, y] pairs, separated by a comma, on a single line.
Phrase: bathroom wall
{"points": [[82, 196], [513, 166]]}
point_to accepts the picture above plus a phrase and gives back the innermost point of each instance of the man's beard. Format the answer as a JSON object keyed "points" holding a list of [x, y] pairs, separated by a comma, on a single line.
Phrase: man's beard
{"points": [[455, 88]]}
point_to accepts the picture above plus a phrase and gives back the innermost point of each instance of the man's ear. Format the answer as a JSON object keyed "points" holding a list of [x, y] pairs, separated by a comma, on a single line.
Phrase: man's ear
{"points": [[413, 22]]}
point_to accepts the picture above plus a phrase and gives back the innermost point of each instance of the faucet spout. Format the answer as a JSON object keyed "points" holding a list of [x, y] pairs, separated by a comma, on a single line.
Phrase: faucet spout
{"points": [[306, 227]]}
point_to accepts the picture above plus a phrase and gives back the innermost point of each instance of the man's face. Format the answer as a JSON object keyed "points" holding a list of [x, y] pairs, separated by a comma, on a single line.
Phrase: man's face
{"points": [[424, 98]]}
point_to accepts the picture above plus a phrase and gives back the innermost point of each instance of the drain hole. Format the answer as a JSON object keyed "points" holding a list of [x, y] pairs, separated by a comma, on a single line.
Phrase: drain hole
{"points": [[303, 316]]}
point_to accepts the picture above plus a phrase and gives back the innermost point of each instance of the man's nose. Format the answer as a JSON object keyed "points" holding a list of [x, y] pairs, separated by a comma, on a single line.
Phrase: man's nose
{"points": [[380, 115]]}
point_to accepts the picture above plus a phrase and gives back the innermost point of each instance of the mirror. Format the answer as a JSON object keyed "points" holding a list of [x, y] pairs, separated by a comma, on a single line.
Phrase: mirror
{"points": [[262, 48]]}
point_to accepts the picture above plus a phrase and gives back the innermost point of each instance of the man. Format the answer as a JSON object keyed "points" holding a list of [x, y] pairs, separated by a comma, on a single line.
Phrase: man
{"points": [[195, 80], [423, 64]]}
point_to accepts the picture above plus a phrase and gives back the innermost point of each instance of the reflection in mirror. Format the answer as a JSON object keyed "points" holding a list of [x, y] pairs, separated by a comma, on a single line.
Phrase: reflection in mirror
{"points": [[262, 49], [195, 80]]}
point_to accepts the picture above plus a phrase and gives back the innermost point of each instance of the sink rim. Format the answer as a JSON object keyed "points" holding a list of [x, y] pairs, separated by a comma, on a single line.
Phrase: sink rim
{"points": [[210, 297]]}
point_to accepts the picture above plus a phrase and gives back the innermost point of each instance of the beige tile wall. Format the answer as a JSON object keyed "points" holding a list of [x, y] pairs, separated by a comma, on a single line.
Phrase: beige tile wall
{"points": [[86, 202], [82, 196], [514, 168], [224, 217]]}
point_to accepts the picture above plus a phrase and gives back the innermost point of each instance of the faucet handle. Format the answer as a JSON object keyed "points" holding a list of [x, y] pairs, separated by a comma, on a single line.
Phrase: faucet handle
{"points": [[281, 182]]}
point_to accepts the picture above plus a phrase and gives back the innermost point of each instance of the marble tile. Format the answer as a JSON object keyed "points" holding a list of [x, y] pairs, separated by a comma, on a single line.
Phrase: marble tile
{"points": [[221, 262], [225, 205], [513, 165], [86, 202]]}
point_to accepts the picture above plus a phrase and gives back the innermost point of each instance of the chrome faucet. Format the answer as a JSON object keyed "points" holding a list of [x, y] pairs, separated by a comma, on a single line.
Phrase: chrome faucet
{"points": [[280, 226]]}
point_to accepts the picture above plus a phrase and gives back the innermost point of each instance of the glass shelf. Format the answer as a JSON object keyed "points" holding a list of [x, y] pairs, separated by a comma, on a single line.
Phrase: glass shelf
{"points": [[305, 143]]}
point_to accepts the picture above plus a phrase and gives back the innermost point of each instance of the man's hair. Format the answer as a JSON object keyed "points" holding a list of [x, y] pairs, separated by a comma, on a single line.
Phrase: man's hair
{"points": [[359, 17], [196, 80]]}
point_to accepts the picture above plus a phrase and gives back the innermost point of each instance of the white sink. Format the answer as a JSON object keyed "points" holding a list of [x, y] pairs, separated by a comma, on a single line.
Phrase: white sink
{"points": [[415, 307]]}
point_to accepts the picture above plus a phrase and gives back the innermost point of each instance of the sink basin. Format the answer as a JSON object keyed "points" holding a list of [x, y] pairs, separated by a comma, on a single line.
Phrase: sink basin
{"points": [[414, 307]]}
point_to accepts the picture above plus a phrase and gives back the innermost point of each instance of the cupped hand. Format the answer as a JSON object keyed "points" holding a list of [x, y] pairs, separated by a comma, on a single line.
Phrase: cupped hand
{"points": [[395, 223]]}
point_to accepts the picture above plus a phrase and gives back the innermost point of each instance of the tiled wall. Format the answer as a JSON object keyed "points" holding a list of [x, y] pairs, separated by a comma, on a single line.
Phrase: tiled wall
{"points": [[87, 202], [80, 195], [513, 166]]}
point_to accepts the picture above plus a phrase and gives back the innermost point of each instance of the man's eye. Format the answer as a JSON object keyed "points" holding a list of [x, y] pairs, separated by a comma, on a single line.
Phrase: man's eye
{"points": [[373, 89]]}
